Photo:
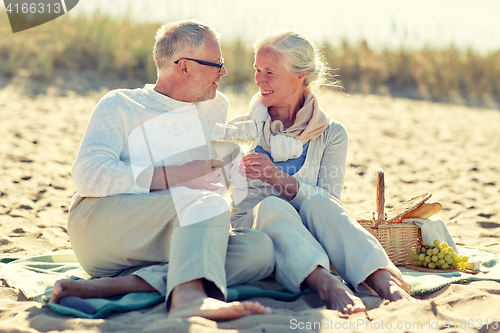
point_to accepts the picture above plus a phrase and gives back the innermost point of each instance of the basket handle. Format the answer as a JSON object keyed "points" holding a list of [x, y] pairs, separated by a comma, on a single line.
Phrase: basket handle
{"points": [[380, 197]]}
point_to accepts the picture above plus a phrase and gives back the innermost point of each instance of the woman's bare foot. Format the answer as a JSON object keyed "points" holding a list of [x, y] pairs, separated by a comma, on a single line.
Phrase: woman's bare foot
{"points": [[189, 299], [332, 291], [387, 286], [103, 287]]}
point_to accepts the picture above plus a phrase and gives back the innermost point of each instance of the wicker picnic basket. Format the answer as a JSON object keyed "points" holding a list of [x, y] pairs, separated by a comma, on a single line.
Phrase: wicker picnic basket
{"points": [[397, 238]]}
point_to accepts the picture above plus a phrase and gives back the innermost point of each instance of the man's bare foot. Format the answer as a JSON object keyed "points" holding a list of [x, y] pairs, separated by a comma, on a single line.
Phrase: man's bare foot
{"points": [[103, 287], [332, 291], [387, 286], [189, 299]]}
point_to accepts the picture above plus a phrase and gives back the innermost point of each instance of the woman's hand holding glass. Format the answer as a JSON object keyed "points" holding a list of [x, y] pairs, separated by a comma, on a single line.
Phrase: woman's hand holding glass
{"points": [[259, 166]]}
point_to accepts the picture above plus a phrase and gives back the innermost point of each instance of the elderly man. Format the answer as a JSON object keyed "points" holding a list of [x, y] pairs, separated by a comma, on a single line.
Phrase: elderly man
{"points": [[147, 216]]}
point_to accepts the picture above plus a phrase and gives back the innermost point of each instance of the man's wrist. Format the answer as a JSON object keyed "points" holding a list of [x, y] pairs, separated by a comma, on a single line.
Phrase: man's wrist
{"points": [[165, 176]]}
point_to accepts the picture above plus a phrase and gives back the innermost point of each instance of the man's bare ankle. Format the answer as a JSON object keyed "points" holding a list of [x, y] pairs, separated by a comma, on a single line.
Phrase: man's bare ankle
{"points": [[186, 293]]}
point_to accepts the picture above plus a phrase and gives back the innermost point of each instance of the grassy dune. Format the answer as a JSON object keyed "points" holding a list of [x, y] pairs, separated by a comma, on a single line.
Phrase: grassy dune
{"points": [[119, 48]]}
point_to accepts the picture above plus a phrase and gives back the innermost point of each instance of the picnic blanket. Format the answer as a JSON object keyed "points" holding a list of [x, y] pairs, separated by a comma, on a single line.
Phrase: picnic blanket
{"points": [[35, 276]]}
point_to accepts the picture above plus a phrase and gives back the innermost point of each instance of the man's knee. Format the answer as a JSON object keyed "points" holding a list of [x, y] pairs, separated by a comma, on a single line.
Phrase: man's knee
{"points": [[207, 207]]}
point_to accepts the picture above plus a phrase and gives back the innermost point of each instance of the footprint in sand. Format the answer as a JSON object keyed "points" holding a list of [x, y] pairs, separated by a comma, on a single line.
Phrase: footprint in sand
{"points": [[488, 235], [489, 225], [14, 250], [5, 242]]}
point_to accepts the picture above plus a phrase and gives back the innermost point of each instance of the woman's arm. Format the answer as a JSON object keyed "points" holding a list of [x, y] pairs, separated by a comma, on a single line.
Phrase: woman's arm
{"points": [[330, 174], [331, 171]]}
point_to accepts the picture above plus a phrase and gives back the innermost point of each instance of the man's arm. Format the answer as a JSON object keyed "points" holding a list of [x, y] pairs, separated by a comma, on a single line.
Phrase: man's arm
{"points": [[98, 170], [199, 174]]}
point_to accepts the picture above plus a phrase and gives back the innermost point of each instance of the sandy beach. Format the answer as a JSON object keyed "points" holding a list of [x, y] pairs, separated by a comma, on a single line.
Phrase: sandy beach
{"points": [[448, 150]]}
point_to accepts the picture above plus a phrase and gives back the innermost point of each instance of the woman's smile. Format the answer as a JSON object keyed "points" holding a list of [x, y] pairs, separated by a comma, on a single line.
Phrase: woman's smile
{"points": [[266, 92]]}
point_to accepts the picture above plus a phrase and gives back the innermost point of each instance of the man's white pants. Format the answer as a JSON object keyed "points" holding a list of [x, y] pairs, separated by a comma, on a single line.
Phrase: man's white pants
{"points": [[137, 233]]}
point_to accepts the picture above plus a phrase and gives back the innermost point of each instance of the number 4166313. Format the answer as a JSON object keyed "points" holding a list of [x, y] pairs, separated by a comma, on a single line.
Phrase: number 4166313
{"points": [[34, 8], [472, 324]]}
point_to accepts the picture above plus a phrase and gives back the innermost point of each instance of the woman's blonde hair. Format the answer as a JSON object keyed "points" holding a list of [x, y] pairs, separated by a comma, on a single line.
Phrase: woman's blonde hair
{"points": [[298, 55]]}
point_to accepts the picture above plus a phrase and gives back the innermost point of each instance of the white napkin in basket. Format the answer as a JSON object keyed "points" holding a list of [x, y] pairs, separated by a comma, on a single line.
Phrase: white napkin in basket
{"points": [[432, 229]]}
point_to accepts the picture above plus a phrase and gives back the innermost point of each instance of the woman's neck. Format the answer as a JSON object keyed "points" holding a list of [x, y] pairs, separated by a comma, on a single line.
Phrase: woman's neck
{"points": [[286, 113]]}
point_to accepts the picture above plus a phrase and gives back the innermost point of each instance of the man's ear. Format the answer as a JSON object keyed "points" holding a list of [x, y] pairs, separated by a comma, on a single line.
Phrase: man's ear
{"points": [[182, 67]]}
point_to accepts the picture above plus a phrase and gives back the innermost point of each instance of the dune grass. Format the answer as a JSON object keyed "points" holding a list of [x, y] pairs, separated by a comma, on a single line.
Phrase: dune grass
{"points": [[120, 48], [448, 74]]}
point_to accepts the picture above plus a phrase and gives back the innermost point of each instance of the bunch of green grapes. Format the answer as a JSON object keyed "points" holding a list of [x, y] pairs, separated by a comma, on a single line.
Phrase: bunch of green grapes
{"points": [[438, 255]]}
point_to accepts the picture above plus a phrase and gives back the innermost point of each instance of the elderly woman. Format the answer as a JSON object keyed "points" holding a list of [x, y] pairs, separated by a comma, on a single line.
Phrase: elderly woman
{"points": [[295, 179]]}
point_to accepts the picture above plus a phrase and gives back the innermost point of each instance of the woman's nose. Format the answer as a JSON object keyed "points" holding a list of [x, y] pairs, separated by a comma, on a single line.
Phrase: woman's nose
{"points": [[259, 79]]}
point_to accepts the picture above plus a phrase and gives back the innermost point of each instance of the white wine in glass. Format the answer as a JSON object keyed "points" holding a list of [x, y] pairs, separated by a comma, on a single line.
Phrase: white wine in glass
{"points": [[246, 136], [222, 143], [222, 140], [222, 148]]}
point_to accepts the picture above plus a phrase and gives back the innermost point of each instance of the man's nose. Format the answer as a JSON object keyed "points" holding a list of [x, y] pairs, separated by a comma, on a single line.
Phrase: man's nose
{"points": [[223, 71]]}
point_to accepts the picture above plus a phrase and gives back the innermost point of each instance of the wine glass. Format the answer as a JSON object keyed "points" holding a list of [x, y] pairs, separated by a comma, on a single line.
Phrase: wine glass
{"points": [[223, 144], [246, 135], [222, 139]]}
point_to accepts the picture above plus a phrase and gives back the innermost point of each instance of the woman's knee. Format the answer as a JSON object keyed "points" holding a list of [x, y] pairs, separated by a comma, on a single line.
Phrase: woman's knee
{"points": [[264, 255], [320, 201], [253, 252], [272, 207]]}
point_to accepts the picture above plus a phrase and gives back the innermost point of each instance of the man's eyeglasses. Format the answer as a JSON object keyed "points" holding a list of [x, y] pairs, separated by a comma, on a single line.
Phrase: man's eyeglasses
{"points": [[205, 63]]}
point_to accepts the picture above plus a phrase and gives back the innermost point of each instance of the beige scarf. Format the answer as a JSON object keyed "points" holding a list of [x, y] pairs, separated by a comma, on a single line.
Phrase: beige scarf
{"points": [[284, 144]]}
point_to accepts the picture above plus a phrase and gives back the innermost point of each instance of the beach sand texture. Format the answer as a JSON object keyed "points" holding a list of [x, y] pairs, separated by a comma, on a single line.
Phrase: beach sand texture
{"points": [[451, 151]]}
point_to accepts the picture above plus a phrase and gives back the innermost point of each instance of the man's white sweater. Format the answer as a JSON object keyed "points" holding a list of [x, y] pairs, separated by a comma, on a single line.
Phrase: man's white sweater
{"points": [[104, 165]]}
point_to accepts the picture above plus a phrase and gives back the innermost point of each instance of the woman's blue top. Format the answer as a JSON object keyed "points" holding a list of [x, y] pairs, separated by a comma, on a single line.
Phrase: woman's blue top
{"points": [[292, 165]]}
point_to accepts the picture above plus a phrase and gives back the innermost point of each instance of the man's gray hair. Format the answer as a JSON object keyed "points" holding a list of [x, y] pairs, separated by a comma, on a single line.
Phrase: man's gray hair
{"points": [[298, 55], [181, 36]]}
